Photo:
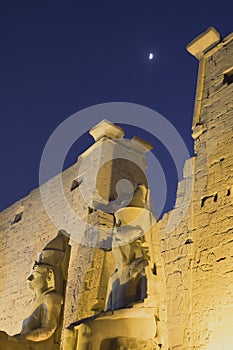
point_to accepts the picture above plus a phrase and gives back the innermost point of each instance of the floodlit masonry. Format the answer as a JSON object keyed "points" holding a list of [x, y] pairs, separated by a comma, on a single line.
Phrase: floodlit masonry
{"points": [[130, 281]]}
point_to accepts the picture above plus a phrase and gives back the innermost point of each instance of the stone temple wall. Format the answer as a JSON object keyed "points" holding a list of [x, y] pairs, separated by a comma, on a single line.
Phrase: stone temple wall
{"points": [[198, 254], [25, 230], [194, 260]]}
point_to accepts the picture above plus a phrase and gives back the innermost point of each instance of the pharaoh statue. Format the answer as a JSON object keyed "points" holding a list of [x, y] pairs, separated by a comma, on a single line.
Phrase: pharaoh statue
{"points": [[41, 327], [131, 322], [128, 282]]}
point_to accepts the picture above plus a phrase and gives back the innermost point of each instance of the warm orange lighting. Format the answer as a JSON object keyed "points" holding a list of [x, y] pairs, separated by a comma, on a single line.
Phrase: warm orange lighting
{"points": [[222, 338]]}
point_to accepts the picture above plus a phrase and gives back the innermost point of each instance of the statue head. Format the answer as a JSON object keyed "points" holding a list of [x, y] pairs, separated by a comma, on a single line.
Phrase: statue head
{"points": [[47, 272], [41, 278]]}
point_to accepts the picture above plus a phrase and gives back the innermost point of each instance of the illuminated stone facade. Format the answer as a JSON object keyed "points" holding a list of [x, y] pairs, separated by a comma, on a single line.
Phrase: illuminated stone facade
{"points": [[176, 283], [198, 255]]}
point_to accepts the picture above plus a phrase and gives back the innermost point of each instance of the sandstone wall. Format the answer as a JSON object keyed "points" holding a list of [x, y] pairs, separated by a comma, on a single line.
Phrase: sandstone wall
{"points": [[22, 241], [194, 260], [26, 229], [198, 254]]}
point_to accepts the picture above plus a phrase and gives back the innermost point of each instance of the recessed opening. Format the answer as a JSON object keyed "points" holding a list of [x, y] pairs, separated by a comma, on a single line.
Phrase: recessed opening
{"points": [[154, 269], [75, 184], [228, 192], [90, 210], [221, 259], [204, 199], [188, 241], [228, 76], [17, 217]]}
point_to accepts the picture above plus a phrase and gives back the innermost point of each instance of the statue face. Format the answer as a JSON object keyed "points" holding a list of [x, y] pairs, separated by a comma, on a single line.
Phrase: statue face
{"points": [[38, 278]]}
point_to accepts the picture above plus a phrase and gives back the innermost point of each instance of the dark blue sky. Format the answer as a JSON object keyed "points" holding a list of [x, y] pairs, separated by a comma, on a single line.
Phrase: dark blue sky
{"points": [[58, 57]]}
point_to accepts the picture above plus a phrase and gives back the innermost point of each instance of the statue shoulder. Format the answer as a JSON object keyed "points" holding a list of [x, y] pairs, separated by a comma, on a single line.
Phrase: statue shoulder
{"points": [[52, 297]]}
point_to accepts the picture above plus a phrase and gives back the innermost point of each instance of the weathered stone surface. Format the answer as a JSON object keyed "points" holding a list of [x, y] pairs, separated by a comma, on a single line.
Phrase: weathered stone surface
{"points": [[42, 325], [199, 280], [189, 266], [203, 42]]}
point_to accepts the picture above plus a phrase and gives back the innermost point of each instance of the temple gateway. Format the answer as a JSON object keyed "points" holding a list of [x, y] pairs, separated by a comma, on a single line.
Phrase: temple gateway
{"points": [[110, 275]]}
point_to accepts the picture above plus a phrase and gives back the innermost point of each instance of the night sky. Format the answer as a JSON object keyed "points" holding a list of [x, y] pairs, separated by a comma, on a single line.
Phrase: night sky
{"points": [[58, 57]]}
